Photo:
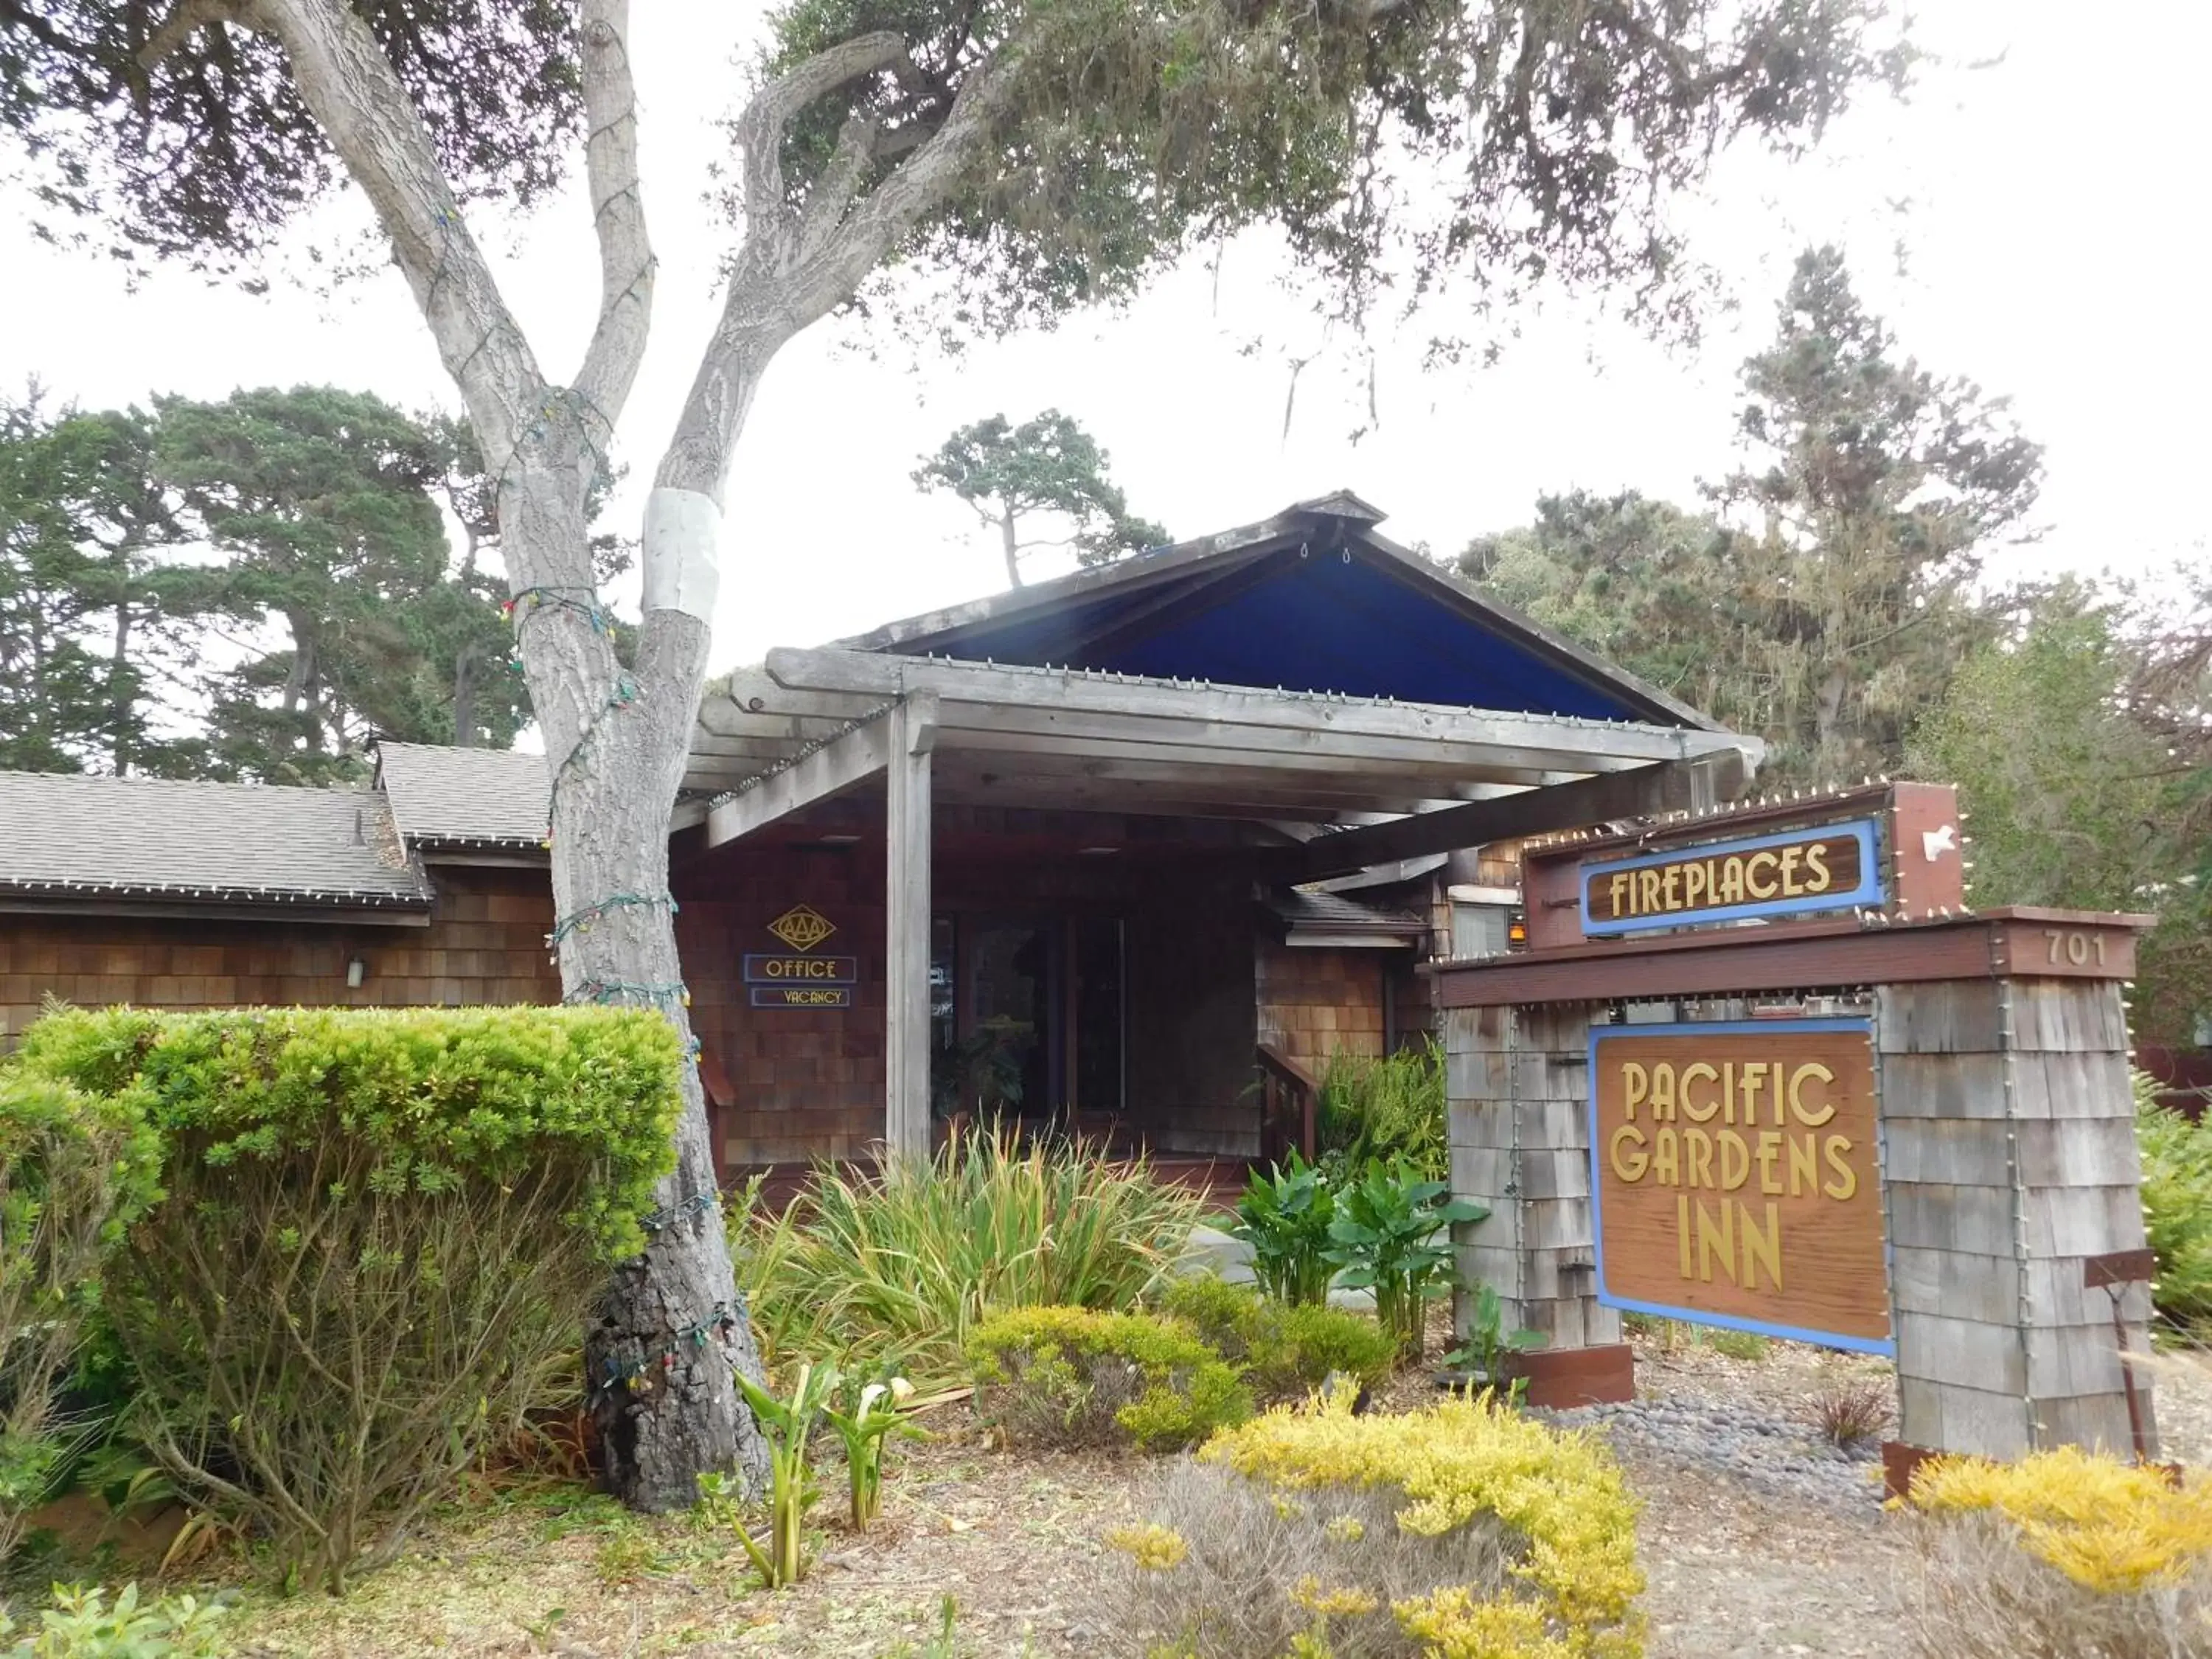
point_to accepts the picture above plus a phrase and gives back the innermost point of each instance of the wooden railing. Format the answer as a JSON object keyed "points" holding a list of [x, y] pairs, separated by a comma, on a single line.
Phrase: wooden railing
{"points": [[1289, 1094]]}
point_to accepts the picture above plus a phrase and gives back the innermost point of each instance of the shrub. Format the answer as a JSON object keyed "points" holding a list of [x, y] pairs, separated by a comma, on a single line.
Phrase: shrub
{"points": [[82, 1624], [1070, 1376], [2177, 1198], [894, 1269], [74, 1171], [1286, 1351], [1852, 1413], [1283, 1218], [381, 1232], [1463, 1531], [2063, 1554], [1389, 1234], [1389, 1107]]}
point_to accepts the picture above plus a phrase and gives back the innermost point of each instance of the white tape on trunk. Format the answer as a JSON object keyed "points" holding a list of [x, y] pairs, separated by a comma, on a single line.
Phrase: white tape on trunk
{"points": [[682, 532]]}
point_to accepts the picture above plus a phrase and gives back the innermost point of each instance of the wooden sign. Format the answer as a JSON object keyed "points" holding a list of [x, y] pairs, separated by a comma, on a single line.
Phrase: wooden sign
{"points": [[1831, 866], [1735, 1178], [800, 996], [762, 968]]}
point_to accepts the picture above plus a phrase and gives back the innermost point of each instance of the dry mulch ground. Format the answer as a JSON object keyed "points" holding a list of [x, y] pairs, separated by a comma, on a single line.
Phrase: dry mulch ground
{"points": [[1735, 1569]]}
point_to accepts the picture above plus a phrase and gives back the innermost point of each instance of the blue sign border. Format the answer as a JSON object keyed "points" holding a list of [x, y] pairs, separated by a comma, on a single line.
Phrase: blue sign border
{"points": [[1886, 1346], [1868, 892]]}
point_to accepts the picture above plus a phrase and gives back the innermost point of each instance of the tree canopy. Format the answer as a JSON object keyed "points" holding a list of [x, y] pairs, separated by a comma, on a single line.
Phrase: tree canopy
{"points": [[1823, 595], [146, 558], [1046, 467]]}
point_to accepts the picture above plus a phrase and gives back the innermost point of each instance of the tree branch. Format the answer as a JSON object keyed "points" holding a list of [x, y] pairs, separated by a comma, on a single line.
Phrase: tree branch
{"points": [[760, 128], [626, 258], [183, 21], [364, 110], [840, 183]]}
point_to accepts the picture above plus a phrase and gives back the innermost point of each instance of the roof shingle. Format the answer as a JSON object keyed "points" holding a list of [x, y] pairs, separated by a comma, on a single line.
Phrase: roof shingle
{"points": [[67, 834], [465, 796]]}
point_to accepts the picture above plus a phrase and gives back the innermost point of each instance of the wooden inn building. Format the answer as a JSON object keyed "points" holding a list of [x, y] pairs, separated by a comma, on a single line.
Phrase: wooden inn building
{"points": [[1133, 851]]}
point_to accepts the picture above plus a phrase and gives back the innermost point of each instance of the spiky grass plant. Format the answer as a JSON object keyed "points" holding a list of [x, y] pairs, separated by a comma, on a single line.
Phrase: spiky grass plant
{"points": [[897, 1267]]}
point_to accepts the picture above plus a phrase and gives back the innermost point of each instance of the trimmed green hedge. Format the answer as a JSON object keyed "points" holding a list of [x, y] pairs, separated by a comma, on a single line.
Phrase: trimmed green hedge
{"points": [[382, 1234], [1286, 1352], [1073, 1376]]}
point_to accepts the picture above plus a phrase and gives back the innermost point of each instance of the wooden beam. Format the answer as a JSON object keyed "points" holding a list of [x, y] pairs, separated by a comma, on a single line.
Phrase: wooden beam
{"points": [[1685, 785], [908, 814], [830, 770], [985, 697]]}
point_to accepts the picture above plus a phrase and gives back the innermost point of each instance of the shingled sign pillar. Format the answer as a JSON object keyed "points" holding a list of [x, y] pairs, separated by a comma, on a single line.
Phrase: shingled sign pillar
{"points": [[2011, 1166], [1517, 1079]]}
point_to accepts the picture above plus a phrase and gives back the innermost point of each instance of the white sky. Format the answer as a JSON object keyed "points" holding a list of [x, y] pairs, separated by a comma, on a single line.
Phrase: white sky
{"points": [[2049, 208]]}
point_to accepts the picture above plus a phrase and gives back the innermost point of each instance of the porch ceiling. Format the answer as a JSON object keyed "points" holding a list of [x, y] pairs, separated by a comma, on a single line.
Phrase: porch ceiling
{"points": [[808, 725]]}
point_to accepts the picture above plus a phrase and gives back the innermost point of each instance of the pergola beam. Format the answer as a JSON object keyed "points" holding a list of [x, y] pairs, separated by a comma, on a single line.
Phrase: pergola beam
{"points": [[837, 766], [1685, 785]]}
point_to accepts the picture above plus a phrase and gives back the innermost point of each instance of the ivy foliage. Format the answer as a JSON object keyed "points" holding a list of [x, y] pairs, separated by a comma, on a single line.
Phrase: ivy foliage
{"points": [[440, 1097]]}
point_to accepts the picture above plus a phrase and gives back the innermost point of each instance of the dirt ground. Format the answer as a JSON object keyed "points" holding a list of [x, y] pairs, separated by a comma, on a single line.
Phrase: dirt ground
{"points": [[1014, 1540]]}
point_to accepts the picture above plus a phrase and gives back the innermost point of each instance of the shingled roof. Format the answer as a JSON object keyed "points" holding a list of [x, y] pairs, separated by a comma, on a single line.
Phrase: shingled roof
{"points": [[1310, 917], [68, 836], [453, 799]]}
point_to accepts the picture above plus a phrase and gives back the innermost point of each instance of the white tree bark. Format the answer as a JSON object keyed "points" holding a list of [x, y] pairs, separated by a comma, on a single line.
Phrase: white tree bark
{"points": [[661, 1352]]}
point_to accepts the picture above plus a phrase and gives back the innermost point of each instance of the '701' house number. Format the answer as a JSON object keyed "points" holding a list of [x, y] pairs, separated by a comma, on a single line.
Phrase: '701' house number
{"points": [[2080, 948]]}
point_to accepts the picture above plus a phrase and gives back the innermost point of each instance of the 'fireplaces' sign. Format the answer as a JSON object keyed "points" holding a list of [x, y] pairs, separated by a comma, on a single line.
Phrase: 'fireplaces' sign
{"points": [[1828, 867], [1735, 1180]]}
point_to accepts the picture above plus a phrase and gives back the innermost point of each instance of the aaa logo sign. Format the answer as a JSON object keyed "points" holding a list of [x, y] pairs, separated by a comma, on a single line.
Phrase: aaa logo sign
{"points": [[1734, 1177]]}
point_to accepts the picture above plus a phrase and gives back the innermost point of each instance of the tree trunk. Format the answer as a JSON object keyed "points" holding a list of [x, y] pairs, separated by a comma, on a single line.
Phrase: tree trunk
{"points": [[1012, 548], [119, 707], [465, 698]]}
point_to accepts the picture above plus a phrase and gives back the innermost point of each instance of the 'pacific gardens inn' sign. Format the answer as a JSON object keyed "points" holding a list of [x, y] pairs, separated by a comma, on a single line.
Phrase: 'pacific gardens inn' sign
{"points": [[1734, 1166]]}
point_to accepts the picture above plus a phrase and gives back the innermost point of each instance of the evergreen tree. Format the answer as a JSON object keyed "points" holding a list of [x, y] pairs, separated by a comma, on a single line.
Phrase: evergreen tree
{"points": [[1048, 467]]}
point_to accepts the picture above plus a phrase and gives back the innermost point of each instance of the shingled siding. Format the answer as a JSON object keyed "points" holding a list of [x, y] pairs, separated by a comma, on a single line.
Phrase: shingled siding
{"points": [[485, 943], [1315, 1003]]}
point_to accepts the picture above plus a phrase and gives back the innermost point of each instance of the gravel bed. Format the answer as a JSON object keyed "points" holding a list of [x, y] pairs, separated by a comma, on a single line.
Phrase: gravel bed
{"points": [[1774, 1454]]}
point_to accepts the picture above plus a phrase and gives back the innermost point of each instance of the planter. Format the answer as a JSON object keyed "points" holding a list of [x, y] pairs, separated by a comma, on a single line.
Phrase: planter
{"points": [[1559, 1379]]}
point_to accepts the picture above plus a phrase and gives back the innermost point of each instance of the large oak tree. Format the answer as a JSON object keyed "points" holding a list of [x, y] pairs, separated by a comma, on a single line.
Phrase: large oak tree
{"points": [[1051, 152]]}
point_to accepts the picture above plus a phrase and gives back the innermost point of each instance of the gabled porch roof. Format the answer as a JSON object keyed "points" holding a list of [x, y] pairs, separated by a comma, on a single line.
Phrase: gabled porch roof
{"points": [[1287, 674]]}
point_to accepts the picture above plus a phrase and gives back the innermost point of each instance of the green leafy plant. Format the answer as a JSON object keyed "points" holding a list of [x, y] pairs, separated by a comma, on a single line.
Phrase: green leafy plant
{"points": [[84, 1623], [788, 1426], [1283, 1218], [902, 1264], [1489, 1347], [876, 1412], [1072, 1376], [381, 1233], [1286, 1350], [1393, 1107], [2176, 1199], [626, 1555], [74, 1171], [1385, 1235]]}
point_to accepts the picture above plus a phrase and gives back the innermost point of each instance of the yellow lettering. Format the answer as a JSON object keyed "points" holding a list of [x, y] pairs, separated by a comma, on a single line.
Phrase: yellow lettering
{"points": [[1770, 1148], [1682, 1232], [1726, 1233], [1736, 1160], [1634, 1086], [1670, 887], [1694, 1070], [1697, 1158], [1666, 1168], [1751, 878], [1732, 880], [1762, 1249], [1648, 881], [1818, 878], [1749, 1087], [1631, 1168], [1789, 857], [1693, 885], [1728, 1091], [1811, 1120], [1774, 1098], [1804, 1164], [1617, 888], [1846, 1180], [1662, 1092]]}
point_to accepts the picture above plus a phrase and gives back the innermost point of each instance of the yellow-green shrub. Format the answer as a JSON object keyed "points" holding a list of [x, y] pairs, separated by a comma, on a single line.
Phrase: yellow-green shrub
{"points": [[2063, 1552], [1464, 1531], [381, 1234], [1286, 1350], [1074, 1376]]}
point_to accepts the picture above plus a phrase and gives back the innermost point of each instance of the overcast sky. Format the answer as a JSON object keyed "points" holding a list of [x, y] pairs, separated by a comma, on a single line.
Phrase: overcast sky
{"points": [[2048, 207]]}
